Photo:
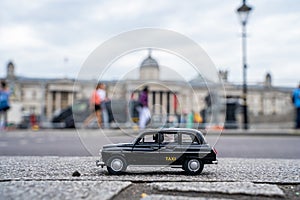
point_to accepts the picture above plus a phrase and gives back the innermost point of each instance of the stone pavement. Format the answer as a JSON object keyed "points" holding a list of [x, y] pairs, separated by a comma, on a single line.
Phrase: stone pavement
{"points": [[51, 178]]}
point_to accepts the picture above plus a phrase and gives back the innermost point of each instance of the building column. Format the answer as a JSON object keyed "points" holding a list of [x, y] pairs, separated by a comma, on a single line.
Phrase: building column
{"points": [[150, 103], [168, 103], [161, 101], [49, 104], [153, 101], [57, 101], [157, 102], [70, 98]]}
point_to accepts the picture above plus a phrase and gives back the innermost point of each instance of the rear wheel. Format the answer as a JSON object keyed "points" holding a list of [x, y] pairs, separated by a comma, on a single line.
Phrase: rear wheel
{"points": [[116, 165], [193, 166]]}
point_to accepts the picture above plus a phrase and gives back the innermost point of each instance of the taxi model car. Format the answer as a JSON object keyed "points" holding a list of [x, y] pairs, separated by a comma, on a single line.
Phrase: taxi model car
{"points": [[175, 147]]}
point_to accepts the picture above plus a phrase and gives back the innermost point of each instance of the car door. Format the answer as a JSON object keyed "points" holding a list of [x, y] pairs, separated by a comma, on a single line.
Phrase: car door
{"points": [[169, 151], [146, 150], [190, 144]]}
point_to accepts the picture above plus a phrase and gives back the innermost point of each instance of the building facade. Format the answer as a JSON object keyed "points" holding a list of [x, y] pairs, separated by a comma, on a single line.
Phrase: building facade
{"points": [[44, 97]]}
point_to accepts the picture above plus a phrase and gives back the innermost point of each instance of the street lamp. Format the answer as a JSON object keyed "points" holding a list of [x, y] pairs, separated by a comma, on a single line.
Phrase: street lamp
{"points": [[243, 13]]}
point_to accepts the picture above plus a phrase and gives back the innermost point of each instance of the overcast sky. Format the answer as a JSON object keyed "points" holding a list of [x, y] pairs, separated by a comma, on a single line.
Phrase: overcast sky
{"points": [[53, 38]]}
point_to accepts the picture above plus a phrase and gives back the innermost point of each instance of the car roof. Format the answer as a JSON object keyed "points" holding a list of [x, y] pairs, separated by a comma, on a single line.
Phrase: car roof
{"points": [[188, 130], [172, 130]]}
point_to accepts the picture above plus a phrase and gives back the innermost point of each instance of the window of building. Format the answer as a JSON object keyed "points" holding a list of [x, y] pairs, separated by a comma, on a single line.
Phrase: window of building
{"points": [[33, 95]]}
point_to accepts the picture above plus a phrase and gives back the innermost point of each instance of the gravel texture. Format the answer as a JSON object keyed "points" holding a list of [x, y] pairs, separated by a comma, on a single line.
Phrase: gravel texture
{"points": [[78, 177], [228, 169], [169, 197]]}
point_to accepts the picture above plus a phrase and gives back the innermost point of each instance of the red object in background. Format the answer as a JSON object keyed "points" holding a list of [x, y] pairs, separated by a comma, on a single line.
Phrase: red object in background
{"points": [[175, 103], [33, 119]]}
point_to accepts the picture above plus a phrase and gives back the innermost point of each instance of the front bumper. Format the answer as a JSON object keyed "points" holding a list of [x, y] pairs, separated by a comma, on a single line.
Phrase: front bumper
{"points": [[100, 163]]}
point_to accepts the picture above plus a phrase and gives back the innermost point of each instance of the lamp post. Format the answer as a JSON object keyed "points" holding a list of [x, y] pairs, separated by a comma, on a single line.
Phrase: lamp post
{"points": [[243, 13]]}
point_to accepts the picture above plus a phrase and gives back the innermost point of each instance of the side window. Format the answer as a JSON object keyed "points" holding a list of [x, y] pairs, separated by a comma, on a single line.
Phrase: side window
{"points": [[187, 138], [148, 138], [170, 138]]}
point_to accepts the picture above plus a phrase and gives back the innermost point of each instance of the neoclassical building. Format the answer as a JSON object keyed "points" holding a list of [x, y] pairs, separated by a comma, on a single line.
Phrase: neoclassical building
{"points": [[44, 96], [37, 95]]}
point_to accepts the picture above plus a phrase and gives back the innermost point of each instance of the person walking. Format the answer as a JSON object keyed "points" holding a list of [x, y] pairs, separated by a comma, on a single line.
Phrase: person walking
{"points": [[190, 120], [144, 112], [95, 108], [4, 104], [104, 110], [296, 101]]}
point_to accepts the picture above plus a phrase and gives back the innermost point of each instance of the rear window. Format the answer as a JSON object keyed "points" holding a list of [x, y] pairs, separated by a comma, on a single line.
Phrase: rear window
{"points": [[188, 139]]}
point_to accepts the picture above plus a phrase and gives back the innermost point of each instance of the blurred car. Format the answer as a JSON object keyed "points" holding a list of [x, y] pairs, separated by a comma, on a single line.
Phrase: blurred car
{"points": [[76, 114], [65, 118]]}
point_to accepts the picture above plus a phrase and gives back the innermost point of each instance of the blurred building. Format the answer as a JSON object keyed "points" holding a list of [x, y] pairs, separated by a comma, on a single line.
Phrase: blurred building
{"points": [[37, 96], [44, 96]]}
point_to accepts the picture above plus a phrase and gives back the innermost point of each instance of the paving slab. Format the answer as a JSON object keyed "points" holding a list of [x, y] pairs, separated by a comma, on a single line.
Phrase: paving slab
{"points": [[228, 169], [169, 197], [61, 189], [244, 188]]}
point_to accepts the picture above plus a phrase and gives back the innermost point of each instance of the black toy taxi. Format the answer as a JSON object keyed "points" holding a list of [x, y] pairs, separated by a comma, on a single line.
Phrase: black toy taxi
{"points": [[175, 147]]}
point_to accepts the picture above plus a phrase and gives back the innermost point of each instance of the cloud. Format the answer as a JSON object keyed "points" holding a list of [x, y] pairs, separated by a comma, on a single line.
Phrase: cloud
{"points": [[38, 35], [19, 36]]}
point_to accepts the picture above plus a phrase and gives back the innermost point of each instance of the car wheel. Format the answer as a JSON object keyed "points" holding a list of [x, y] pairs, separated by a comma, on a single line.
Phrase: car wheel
{"points": [[193, 166], [116, 165]]}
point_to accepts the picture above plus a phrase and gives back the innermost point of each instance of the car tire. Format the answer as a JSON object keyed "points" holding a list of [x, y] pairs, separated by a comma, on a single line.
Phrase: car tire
{"points": [[116, 165], [193, 166]]}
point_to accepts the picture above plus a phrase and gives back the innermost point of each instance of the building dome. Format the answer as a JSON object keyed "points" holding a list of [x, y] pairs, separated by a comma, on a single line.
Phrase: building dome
{"points": [[149, 69], [149, 62]]}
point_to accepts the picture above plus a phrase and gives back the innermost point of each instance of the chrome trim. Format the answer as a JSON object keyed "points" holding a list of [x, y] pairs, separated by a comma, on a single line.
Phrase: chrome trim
{"points": [[100, 163], [214, 162]]}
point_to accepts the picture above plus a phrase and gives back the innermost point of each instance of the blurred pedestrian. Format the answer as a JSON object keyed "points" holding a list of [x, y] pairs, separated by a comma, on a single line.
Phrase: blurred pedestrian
{"points": [[190, 120], [33, 121], [197, 118], [296, 101], [4, 104], [95, 108], [144, 112], [104, 110]]}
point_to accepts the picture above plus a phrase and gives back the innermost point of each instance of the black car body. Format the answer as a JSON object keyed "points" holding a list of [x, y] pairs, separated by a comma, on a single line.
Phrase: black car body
{"points": [[175, 147]]}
